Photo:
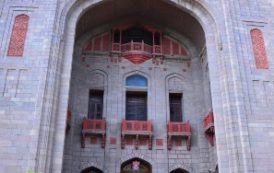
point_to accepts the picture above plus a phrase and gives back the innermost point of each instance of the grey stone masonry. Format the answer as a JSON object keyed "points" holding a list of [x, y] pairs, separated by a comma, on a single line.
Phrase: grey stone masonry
{"points": [[222, 75]]}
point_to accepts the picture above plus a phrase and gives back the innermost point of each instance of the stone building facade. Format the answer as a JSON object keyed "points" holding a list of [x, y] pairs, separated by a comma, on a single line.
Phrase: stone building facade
{"points": [[147, 86]]}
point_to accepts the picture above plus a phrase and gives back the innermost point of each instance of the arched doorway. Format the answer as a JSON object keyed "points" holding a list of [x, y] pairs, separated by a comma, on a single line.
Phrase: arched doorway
{"points": [[91, 170], [136, 165], [179, 170]]}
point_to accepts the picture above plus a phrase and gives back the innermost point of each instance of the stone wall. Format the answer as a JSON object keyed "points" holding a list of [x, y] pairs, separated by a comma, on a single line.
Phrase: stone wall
{"points": [[34, 88]]}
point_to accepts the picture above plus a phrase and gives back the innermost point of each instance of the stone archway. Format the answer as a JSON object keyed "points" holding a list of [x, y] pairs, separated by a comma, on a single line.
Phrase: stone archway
{"points": [[136, 165], [71, 14]]}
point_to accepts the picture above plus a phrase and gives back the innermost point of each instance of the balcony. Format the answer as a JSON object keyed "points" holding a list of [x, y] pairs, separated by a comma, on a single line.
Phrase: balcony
{"points": [[178, 129], [208, 123], [136, 52], [136, 129], [95, 128]]}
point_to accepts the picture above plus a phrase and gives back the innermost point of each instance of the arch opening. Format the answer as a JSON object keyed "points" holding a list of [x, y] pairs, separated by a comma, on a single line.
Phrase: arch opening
{"points": [[136, 165], [136, 80], [179, 170], [100, 33], [135, 14], [91, 170]]}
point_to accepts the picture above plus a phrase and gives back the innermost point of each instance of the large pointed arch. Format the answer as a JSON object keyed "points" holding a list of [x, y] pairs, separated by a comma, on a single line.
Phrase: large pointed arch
{"points": [[66, 29]]}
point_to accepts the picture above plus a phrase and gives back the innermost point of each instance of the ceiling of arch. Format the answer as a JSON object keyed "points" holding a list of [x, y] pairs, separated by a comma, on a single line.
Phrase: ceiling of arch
{"points": [[155, 11]]}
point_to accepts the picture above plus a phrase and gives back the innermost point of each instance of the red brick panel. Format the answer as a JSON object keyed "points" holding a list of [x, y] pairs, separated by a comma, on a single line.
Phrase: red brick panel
{"points": [[175, 48], [259, 49], [159, 142], [166, 46], [97, 44], [106, 42], [113, 140], [183, 51], [18, 35]]}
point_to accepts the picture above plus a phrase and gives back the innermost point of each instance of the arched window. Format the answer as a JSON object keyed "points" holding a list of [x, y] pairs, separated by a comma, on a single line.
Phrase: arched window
{"points": [[136, 80], [136, 98], [259, 49], [18, 35]]}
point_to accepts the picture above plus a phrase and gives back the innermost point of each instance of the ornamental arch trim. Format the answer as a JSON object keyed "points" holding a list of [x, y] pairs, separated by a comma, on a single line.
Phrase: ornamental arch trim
{"points": [[180, 166], [137, 156], [137, 72]]}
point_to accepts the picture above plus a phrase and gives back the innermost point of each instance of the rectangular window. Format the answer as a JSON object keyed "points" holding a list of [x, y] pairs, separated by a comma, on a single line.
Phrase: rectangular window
{"points": [[95, 110], [175, 105], [136, 106]]}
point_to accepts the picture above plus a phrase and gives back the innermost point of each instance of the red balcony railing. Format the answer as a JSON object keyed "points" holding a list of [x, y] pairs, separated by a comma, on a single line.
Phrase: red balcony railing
{"points": [[136, 128], [94, 127], [133, 47], [136, 52], [179, 129], [208, 123]]}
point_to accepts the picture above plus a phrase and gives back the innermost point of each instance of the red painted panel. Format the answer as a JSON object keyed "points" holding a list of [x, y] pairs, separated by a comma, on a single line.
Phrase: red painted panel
{"points": [[129, 140], [175, 48], [208, 120], [97, 44], [178, 127], [93, 140], [18, 35], [113, 141], [183, 51], [178, 142], [166, 45], [259, 49], [136, 126], [89, 46], [157, 49], [159, 142], [143, 140], [106, 42], [94, 124]]}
